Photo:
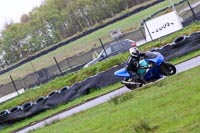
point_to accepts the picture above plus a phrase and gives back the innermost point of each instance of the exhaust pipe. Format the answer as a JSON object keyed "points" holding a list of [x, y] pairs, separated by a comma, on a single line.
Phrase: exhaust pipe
{"points": [[130, 83]]}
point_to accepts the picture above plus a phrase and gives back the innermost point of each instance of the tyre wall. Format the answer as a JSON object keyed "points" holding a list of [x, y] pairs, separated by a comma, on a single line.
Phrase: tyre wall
{"points": [[179, 46]]}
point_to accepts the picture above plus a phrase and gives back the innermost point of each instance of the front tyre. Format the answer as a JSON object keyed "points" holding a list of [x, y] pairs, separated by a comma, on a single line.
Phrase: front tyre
{"points": [[167, 69]]}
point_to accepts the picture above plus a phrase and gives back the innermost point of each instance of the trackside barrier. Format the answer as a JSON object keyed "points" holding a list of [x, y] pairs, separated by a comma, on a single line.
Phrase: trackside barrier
{"points": [[180, 46]]}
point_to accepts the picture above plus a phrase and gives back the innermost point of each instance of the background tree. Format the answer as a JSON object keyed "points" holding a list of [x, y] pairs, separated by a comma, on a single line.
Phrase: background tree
{"points": [[54, 21]]}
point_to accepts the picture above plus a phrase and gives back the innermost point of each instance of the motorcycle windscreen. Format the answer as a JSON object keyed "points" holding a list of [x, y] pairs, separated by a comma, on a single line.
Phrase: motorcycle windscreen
{"points": [[158, 59], [141, 71], [122, 73]]}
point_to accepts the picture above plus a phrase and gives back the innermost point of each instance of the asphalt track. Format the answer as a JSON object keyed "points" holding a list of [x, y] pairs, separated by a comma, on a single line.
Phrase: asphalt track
{"points": [[180, 68]]}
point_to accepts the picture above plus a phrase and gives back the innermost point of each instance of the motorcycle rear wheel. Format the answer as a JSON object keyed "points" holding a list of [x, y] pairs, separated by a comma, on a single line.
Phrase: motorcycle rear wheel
{"points": [[131, 86]]}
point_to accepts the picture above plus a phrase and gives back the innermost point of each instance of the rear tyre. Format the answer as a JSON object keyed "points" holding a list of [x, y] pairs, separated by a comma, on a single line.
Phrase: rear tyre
{"points": [[132, 86], [167, 69], [127, 85]]}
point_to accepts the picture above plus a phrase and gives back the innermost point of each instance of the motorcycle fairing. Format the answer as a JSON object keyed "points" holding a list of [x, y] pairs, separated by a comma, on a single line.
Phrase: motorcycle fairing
{"points": [[122, 73], [158, 58], [152, 73]]}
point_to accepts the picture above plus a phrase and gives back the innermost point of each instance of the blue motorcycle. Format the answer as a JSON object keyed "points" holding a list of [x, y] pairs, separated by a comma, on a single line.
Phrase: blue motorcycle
{"points": [[152, 67]]}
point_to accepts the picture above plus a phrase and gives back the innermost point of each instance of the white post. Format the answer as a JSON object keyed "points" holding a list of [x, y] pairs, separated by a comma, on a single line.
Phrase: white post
{"points": [[171, 2]]}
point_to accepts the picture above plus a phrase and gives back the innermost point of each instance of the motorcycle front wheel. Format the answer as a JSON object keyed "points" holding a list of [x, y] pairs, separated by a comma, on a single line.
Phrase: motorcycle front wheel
{"points": [[167, 69]]}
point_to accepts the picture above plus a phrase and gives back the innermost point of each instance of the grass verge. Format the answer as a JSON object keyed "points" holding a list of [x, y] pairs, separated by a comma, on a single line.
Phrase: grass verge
{"points": [[170, 105]]}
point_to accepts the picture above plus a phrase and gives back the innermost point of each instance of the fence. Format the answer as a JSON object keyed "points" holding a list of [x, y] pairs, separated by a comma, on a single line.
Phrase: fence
{"points": [[75, 63]]}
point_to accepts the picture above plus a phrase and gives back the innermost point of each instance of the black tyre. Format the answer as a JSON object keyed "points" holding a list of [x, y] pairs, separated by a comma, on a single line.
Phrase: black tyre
{"points": [[194, 36], [179, 41], [41, 99], [27, 106], [15, 109], [127, 85], [64, 89], [4, 113], [53, 93], [167, 69], [132, 86]]}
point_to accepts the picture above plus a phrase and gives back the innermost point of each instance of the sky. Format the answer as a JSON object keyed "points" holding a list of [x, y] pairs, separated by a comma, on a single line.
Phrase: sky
{"points": [[12, 10]]}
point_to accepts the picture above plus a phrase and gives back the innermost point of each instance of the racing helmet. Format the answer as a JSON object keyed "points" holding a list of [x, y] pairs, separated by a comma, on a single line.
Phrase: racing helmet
{"points": [[134, 52]]}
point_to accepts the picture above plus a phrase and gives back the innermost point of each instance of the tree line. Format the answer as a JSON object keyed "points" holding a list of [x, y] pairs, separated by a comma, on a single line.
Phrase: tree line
{"points": [[54, 21]]}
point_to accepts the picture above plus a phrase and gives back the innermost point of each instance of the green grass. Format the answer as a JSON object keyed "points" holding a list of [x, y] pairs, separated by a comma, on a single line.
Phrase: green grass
{"points": [[76, 101], [170, 105], [82, 44]]}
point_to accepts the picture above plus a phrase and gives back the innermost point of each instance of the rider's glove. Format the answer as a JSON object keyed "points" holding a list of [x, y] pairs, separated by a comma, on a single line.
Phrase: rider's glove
{"points": [[150, 65]]}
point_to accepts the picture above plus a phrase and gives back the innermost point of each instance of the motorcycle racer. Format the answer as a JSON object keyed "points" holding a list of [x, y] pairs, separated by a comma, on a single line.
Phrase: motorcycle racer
{"points": [[132, 64]]}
